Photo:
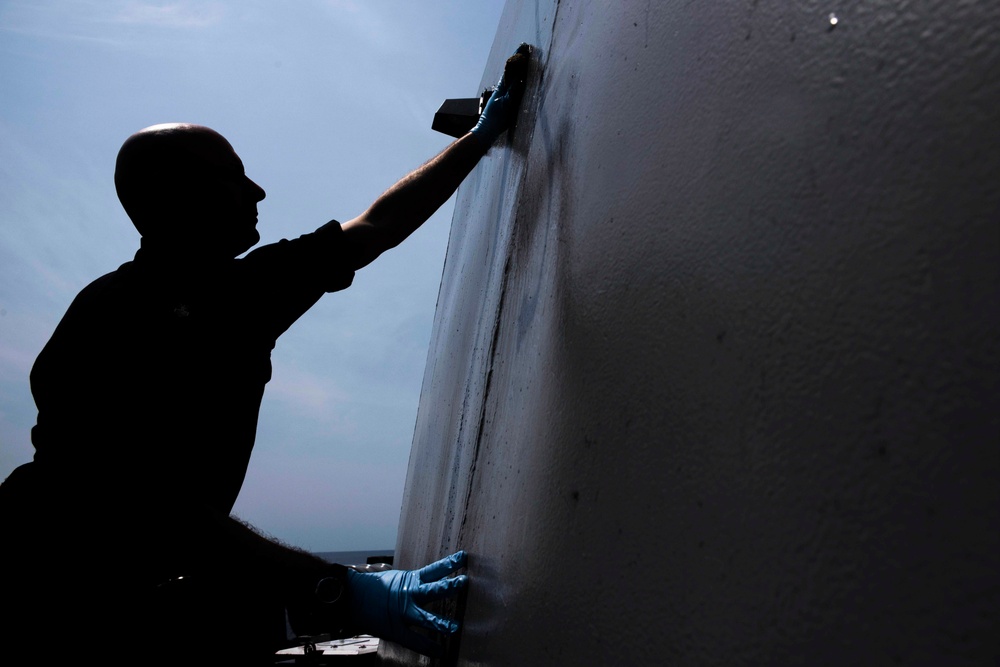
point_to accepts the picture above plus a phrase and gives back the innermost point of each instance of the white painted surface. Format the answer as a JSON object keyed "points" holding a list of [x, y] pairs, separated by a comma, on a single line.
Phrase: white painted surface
{"points": [[714, 371], [359, 645]]}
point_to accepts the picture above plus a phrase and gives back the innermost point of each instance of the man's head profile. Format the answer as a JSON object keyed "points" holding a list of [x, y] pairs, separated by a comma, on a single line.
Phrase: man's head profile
{"points": [[184, 186]]}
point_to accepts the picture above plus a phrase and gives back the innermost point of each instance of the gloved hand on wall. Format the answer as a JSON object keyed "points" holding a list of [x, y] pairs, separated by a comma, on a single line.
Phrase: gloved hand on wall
{"points": [[501, 109], [387, 604]]}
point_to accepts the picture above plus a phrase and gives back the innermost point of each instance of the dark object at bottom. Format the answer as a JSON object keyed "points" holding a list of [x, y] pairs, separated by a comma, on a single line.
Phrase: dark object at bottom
{"points": [[321, 651]]}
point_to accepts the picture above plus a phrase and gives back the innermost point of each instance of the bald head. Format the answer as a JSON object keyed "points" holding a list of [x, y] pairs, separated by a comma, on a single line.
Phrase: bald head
{"points": [[184, 183]]}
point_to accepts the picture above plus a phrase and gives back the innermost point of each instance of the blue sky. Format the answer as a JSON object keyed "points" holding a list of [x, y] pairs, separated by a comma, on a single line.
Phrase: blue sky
{"points": [[328, 102]]}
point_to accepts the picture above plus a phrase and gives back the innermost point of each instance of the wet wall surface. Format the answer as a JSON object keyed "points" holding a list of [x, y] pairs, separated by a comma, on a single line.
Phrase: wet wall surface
{"points": [[713, 378]]}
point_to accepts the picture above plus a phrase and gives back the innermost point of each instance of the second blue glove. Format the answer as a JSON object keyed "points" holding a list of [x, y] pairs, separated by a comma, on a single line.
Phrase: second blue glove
{"points": [[388, 604]]}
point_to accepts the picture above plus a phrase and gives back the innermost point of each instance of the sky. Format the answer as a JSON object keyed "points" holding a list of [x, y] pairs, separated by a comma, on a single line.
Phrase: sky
{"points": [[328, 103]]}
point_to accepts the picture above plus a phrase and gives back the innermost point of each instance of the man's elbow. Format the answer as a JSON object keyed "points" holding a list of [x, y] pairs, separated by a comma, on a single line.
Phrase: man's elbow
{"points": [[367, 241]]}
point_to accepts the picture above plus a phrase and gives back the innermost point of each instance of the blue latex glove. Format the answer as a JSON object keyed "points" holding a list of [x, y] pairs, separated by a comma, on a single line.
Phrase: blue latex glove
{"points": [[501, 109], [387, 604]]}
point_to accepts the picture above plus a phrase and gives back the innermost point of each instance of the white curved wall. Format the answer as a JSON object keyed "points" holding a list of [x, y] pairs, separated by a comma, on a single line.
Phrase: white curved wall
{"points": [[714, 371]]}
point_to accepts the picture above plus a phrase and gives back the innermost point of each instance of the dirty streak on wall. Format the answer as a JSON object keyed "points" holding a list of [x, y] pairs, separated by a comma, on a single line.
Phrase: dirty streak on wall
{"points": [[713, 377]]}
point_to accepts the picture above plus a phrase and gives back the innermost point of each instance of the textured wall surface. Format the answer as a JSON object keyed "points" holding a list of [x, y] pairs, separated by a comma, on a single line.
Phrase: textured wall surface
{"points": [[714, 375]]}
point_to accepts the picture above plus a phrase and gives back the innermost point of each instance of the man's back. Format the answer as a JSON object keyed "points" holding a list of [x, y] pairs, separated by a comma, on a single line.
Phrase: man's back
{"points": [[154, 377]]}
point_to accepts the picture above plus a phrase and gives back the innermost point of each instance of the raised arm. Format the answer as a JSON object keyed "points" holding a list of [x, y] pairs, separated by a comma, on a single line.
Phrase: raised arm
{"points": [[410, 202]]}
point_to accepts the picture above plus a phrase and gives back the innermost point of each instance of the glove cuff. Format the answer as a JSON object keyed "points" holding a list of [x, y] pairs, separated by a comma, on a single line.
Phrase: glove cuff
{"points": [[485, 137]]}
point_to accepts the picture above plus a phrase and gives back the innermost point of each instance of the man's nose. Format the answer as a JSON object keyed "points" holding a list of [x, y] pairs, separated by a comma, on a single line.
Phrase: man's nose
{"points": [[258, 192]]}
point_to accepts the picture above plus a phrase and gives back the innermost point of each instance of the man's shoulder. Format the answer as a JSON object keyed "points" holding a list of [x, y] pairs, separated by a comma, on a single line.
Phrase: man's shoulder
{"points": [[110, 283], [110, 294]]}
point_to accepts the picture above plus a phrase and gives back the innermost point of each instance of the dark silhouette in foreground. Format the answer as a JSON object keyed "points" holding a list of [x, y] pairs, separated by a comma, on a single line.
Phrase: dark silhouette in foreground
{"points": [[118, 539]]}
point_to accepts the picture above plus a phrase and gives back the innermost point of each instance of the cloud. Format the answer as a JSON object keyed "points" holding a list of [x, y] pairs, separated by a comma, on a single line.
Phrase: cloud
{"points": [[172, 15], [88, 21], [324, 504], [306, 393]]}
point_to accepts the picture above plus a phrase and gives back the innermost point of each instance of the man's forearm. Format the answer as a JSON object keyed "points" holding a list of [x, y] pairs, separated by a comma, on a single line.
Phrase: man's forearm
{"points": [[283, 564], [411, 201], [198, 539]]}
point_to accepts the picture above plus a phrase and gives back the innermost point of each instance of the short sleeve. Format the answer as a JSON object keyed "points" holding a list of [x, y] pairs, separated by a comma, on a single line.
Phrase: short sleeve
{"points": [[285, 279], [320, 259]]}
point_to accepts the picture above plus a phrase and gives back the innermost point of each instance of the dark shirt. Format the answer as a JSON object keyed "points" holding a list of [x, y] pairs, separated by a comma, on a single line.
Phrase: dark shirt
{"points": [[151, 384]]}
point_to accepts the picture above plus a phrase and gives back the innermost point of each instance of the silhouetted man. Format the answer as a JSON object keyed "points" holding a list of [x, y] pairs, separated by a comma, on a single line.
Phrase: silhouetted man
{"points": [[119, 532]]}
